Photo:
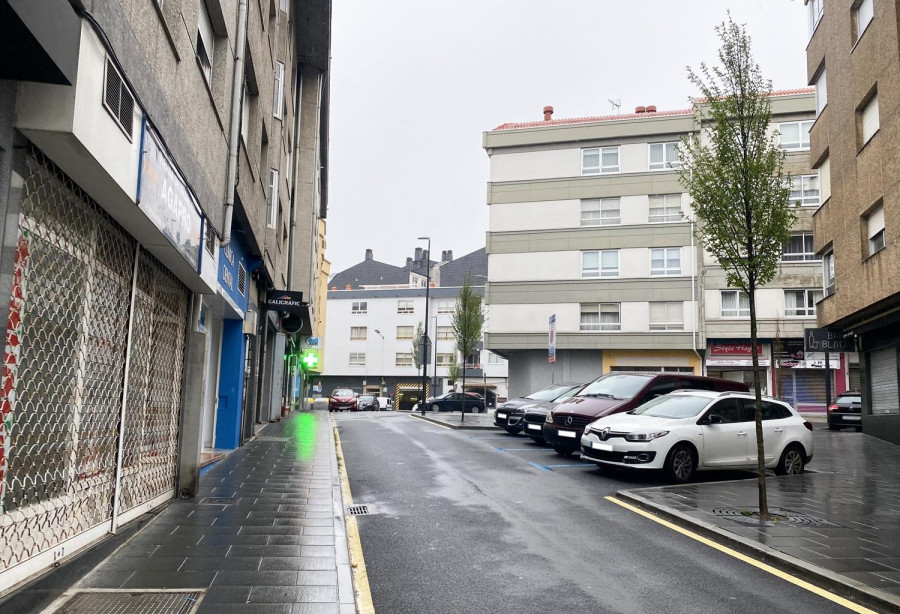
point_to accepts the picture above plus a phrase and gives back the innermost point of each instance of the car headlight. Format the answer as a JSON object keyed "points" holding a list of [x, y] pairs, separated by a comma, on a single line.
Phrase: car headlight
{"points": [[645, 436], [587, 427], [549, 418]]}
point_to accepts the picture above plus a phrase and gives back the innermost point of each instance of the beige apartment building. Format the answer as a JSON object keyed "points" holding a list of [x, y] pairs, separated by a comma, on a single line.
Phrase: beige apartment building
{"points": [[853, 60]]}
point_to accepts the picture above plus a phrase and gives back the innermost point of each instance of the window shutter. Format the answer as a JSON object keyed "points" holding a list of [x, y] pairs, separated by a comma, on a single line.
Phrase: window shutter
{"points": [[876, 221], [870, 120], [883, 381]]}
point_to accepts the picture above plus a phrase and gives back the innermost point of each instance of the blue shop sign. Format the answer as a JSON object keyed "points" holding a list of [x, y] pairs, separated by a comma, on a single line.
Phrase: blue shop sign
{"points": [[234, 273], [164, 197]]}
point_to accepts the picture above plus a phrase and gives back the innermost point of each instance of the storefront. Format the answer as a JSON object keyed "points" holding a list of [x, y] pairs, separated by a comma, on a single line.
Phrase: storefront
{"points": [[651, 361], [733, 360], [800, 378]]}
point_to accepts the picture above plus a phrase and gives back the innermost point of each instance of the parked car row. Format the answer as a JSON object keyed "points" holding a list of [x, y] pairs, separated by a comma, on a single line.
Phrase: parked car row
{"points": [[673, 422], [345, 399]]}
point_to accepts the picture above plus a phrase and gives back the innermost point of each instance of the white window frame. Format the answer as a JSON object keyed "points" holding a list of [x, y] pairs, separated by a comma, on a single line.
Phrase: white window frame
{"points": [[668, 269], [406, 336], [669, 311], [446, 305], [272, 202], [668, 215], [821, 85], [810, 298], [738, 312], [403, 359], [359, 307], [358, 333], [874, 221], [206, 43], [597, 207], [807, 255], [870, 121], [863, 15], [357, 359], [600, 168], [611, 308], [816, 9], [444, 332], [598, 309], [667, 149], [828, 279], [800, 145], [802, 194], [278, 87], [495, 359], [443, 359], [406, 306]]}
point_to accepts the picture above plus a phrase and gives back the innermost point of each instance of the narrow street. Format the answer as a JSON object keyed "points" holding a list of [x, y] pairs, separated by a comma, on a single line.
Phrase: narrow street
{"points": [[484, 522]]}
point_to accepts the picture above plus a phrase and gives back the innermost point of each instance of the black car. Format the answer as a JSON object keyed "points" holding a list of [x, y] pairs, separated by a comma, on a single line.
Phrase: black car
{"points": [[453, 401], [510, 415], [846, 411], [367, 402]]}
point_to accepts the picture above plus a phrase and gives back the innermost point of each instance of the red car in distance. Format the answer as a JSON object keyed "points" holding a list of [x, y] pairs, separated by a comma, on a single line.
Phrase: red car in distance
{"points": [[341, 399]]}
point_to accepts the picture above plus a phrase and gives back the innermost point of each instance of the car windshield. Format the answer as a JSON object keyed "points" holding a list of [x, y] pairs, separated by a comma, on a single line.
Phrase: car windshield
{"points": [[342, 392], [673, 406], [549, 393], [615, 386], [849, 399], [568, 394]]}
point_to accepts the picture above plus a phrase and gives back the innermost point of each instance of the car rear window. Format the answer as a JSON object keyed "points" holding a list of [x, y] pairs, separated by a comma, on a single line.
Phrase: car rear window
{"points": [[849, 399]]}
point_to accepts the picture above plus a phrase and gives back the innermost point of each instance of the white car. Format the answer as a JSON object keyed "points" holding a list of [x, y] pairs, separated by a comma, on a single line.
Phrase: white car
{"points": [[692, 430]]}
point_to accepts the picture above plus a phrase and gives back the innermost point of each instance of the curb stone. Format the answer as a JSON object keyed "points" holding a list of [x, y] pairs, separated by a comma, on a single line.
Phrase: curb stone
{"points": [[834, 582], [456, 427]]}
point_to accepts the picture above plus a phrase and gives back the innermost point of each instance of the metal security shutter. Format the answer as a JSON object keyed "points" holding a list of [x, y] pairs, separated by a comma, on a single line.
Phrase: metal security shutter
{"points": [[855, 383], [802, 386], [883, 381]]}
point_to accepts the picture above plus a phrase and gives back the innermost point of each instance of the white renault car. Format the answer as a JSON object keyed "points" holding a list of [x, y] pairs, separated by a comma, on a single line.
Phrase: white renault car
{"points": [[692, 430]]}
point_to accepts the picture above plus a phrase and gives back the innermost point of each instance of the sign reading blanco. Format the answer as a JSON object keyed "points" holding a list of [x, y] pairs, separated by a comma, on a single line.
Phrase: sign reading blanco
{"points": [[164, 197], [285, 300]]}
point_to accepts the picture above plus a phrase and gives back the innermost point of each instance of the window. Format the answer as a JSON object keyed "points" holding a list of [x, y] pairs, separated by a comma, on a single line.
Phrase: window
{"points": [[357, 359], [874, 224], [869, 121], [821, 92], [665, 261], [285, 5], [442, 360], [825, 179], [495, 359], [403, 359], [735, 304], [278, 105], [600, 317], [609, 316], [600, 212], [794, 136], [664, 156], [816, 9], [118, 100], [665, 208], [599, 160], [667, 316], [272, 200], [446, 305], [805, 190], [828, 272], [445, 332], [205, 43], [405, 307], [359, 307], [863, 15], [245, 115], [801, 303], [799, 248], [357, 333], [600, 264], [405, 332]]}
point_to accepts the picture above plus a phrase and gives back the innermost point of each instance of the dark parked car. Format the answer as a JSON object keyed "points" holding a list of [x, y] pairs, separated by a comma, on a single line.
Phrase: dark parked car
{"points": [[510, 415], [453, 401], [341, 399], [367, 402], [614, 393], [534, 416], [846, 411]]}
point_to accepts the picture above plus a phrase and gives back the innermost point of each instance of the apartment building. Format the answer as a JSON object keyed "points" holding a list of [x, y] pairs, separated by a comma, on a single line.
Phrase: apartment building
{"points": [[148, 158], [590, 224], [852, 61], [374, 309]]}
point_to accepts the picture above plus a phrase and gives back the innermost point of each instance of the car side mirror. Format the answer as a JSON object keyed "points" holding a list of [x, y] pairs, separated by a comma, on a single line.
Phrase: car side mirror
{"points": [[714, 419]]}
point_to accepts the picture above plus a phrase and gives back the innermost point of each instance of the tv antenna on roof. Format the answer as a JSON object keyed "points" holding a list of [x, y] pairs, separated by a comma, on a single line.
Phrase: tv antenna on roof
{"points": [[616, 104]]}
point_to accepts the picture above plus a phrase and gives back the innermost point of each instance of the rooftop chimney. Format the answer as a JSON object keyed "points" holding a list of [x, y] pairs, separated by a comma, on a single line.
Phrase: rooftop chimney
{"points": [[640, 109], [447, 256], [409, 262], [651, 108], [548, 113], [369, 255], [418, 257]]}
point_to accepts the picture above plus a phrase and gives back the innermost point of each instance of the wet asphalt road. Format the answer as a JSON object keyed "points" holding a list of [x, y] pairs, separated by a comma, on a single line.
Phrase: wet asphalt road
{"points": [[472, 522]]}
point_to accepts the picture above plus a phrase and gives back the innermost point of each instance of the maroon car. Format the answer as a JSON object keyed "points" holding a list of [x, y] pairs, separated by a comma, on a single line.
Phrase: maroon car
{"points": [[614, 393], [341, 399]]}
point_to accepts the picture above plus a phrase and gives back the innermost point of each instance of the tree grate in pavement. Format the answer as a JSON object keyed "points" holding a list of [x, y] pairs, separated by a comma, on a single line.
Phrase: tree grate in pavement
{"points": [[271, 438], [219, 501], [743, 516], [358, 510], [131, 602]]}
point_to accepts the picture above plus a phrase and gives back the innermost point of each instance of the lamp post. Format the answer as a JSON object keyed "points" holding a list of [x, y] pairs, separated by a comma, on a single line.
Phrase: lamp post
{"points": [[424, 342], [381, 365]]}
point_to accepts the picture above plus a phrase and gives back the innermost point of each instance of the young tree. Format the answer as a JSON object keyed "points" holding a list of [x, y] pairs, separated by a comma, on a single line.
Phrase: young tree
{"points": [[417, 349], [453, 369], [468, 321], [734, 174]]}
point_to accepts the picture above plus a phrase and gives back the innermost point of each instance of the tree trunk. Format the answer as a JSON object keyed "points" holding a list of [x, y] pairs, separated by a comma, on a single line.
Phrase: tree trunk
{"points": [[463, 417], [760, 444]]}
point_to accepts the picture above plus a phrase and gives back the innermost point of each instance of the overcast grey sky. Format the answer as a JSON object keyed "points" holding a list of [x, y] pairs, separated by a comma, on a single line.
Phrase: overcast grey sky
{"points": [[416, 82]]}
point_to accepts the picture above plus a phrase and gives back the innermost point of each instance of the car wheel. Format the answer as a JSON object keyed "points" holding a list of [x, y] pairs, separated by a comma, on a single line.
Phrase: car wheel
{"points": [[680, 464], [435, 407], [563, 450], [791, 461]]}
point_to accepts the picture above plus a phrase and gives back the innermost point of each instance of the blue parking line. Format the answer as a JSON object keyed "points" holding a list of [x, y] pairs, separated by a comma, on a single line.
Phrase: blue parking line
{"points": [[575, 465], [487, 436], [541, 467], [500, 450]]}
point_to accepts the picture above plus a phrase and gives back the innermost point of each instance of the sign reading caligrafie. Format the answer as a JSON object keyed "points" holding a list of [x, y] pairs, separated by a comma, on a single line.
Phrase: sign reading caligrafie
{"points": [[164, 197]]}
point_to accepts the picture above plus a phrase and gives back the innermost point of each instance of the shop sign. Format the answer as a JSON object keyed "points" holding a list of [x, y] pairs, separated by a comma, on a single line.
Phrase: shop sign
{"points": [[165, 199], [733, 349], [285, 300], [233, 275], [312, 342], [736, 362], [826, 340]]}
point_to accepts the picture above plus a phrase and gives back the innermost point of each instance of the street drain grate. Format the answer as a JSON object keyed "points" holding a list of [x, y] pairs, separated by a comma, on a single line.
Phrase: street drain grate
{"points": [[742, 516], [271, 438], [358, 510], [131, 602], [219, 501]]}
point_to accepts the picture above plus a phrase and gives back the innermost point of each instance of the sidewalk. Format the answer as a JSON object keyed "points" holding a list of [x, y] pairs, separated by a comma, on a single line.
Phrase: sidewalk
{"points": [[844, 516], [454, 420], [265, 534]]}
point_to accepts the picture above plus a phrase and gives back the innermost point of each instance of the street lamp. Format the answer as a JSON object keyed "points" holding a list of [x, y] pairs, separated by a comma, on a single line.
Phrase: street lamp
{"points": [[424, 343], [381, 365]]}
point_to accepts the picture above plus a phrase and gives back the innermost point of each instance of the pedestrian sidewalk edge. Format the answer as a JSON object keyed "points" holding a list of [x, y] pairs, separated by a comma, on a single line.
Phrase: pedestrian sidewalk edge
{"points": [[834, 582], [455, 427]]}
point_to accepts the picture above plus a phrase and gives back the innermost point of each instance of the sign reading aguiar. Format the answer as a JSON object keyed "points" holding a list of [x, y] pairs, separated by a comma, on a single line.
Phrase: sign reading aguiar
{"points": [[285, 300]]}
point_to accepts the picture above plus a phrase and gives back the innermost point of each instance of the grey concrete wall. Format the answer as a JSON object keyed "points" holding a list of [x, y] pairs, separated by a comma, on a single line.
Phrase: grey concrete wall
{"points": [[189, 431], [529, 369]]}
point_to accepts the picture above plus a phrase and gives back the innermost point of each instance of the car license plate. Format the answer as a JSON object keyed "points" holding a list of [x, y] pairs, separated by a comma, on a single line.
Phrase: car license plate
{"points": [[502, 416], [570, 434], [534, 427], [853, 418], [601, 446]]}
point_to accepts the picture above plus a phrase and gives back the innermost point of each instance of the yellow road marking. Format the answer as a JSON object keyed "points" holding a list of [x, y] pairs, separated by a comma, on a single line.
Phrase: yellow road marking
{"points": [[357, 562], [821, 592], [417, 417]]}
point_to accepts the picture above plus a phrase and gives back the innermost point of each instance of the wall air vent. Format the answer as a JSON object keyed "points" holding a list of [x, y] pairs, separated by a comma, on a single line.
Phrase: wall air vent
{"points": [[118, 100], [242, 280]]}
